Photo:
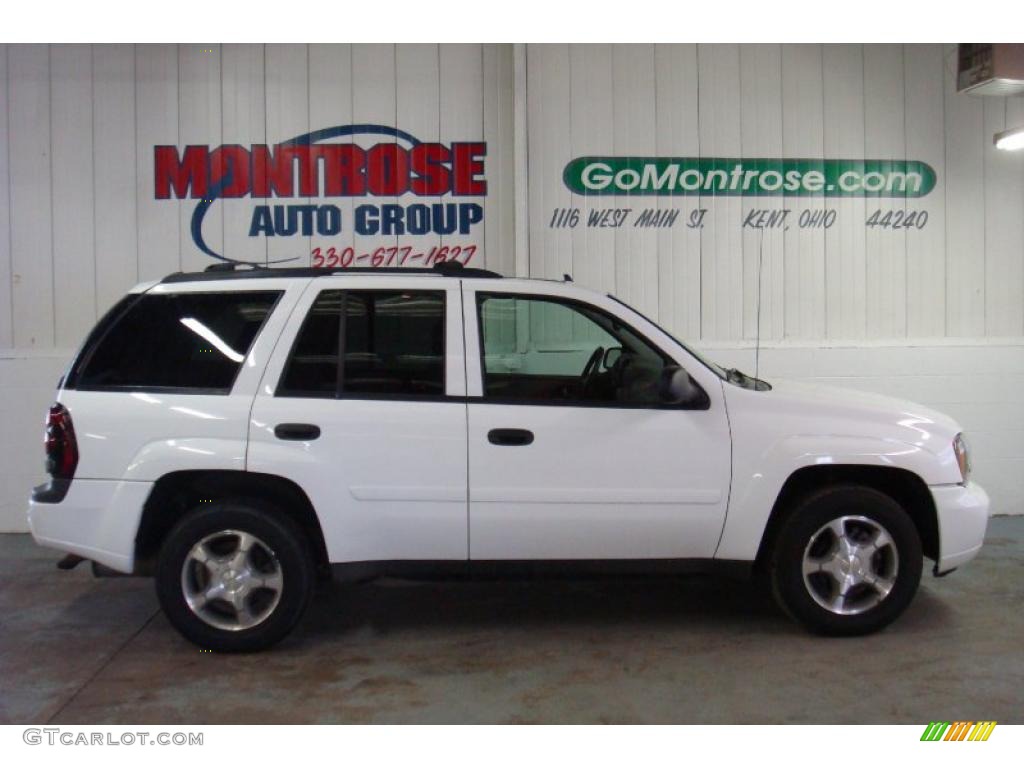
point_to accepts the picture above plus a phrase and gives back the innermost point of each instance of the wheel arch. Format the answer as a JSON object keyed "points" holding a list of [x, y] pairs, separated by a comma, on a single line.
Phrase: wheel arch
{"points": [[175, 493], [902, 485]]}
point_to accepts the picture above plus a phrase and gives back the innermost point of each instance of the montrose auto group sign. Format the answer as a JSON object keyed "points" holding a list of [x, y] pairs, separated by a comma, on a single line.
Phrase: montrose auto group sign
{"points": [[294, 186]]}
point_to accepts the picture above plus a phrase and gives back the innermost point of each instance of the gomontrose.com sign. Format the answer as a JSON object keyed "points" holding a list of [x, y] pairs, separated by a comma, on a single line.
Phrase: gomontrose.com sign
{"points": [[748, 177]]}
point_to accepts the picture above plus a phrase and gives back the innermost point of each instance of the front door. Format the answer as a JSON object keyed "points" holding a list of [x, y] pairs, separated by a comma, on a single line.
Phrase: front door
{"points": [[572, 452], [362, 406]]}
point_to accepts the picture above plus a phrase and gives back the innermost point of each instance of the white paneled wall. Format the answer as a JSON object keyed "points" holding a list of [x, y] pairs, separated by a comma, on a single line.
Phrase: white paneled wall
{"points": [[80, 123], [960, 276], [924, 90], [933, 314], [761, 136]]}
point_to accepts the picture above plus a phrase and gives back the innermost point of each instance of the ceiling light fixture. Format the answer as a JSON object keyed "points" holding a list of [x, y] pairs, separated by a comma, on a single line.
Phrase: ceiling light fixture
{"points": [[1011, 139]]}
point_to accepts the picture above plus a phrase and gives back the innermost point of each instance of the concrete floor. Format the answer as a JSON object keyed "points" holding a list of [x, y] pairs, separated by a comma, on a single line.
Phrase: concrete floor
{"points": [[74, 649]]}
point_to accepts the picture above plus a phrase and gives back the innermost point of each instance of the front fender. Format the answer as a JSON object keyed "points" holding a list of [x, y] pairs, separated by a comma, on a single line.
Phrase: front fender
{"points": [[759, 476]]}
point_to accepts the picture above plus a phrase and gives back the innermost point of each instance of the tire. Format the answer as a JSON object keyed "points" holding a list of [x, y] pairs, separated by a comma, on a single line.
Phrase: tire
{"points": [[235, 575], [878, 567]]}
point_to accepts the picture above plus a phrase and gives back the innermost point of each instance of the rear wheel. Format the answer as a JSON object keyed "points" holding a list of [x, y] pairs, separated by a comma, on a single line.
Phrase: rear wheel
{"points": [[234, 576], [847, 561]]}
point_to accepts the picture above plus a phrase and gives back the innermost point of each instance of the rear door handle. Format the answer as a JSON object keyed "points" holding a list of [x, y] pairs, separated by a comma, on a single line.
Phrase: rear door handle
{"points": [[296, 431], [510, 436]]}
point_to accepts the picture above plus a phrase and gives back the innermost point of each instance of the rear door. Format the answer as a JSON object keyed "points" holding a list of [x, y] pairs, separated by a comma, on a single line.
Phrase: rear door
{"points": [[363, 406]]}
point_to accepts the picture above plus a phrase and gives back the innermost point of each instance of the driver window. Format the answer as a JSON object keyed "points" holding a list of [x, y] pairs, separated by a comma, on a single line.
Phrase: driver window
{"points": [[547, 350]]}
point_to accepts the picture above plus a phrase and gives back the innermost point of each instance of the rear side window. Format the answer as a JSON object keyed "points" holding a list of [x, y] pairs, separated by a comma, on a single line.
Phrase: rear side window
{"points": [[392, 344], [191, 342]]}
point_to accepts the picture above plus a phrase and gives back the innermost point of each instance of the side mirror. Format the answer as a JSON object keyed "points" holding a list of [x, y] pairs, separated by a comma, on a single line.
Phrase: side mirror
{"points": [[677, 388], [612, 355]]}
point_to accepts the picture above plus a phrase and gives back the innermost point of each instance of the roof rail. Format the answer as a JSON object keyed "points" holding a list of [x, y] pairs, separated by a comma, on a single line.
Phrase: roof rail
{"points": [[241, 271]]}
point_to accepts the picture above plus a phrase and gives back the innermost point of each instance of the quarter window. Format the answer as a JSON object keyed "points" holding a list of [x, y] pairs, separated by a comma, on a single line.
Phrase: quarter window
{"points": [[544, 350], [392, 343], [191, 342]]}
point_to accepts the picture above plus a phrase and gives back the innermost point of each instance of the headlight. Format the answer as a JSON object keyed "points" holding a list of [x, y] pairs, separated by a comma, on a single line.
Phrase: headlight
{"points": [[963, 458]]}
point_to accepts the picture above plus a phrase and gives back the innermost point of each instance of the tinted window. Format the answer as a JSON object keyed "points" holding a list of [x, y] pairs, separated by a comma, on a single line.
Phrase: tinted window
{"points": [[549, 351], [393, 345], [183, 341], [313, 368], [95, 335]]}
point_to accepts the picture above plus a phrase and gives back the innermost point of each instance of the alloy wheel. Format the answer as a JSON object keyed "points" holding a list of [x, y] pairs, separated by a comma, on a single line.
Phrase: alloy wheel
{"points": [[231, 580], [850, 565]]}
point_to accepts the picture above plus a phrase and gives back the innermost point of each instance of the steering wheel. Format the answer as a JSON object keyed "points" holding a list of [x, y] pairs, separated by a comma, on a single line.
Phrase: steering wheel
{"points": [[591, 368]]}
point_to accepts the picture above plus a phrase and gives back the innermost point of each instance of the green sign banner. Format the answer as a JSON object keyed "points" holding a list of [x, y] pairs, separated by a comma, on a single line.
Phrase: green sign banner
{"points": [[748, 177]]}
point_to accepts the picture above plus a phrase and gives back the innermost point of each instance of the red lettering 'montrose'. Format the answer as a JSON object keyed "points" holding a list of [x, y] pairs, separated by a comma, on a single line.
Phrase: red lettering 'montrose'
{"points": [[312, 170]]}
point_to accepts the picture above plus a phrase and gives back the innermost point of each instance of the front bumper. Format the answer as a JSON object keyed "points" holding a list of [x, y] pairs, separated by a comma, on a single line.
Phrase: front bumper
{"points": [[963, 512], [96, 519]]}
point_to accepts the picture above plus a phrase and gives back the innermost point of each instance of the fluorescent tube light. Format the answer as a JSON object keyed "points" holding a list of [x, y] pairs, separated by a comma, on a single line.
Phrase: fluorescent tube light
{"points": [[1011, 139]]}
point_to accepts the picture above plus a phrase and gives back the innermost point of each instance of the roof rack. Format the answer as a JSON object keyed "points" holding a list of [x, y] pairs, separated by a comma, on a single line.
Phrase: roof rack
{"points": [[241, 271]]}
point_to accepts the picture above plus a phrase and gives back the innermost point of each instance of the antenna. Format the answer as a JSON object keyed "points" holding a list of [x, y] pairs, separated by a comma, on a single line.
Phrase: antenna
{"points": [[757, 337]]}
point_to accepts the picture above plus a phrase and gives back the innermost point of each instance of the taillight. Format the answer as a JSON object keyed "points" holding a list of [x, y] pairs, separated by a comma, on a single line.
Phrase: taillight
{"points": [[61, 445]]}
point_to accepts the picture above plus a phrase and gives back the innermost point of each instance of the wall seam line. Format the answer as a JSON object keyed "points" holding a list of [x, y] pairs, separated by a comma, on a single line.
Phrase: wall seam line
{"points": [[135, 133], [10, 191], [92, 140], [53, 256]]}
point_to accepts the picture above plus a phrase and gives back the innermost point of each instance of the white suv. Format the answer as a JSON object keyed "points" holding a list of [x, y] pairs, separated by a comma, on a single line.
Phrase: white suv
{"points": [[239, 432]]}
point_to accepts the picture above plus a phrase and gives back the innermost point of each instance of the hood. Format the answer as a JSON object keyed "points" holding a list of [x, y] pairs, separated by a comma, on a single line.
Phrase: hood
{"points": [[813, 409]]}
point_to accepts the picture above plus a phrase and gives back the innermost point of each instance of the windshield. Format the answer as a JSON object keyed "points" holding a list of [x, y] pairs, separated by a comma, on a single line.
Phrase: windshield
{"points": [[718, 370]]}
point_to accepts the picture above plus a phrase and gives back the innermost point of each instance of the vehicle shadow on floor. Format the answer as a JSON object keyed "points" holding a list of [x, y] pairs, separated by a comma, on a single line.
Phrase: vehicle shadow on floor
{"points": [[395, 605], [708, 603]]}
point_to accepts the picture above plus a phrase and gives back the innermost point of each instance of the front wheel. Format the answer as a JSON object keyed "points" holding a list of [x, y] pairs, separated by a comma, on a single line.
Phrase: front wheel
{"points": [[234, 576], [847, 561]]}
